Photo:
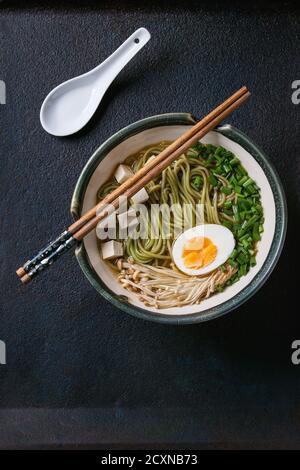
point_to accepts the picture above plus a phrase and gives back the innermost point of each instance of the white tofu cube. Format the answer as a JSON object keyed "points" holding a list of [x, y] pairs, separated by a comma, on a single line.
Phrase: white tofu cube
{"points": [[140, 197], [127, 219], [122, 173], [111, 249]]}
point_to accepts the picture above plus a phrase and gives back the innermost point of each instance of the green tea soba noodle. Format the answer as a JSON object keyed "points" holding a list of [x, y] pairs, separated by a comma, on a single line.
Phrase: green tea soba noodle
{"points": [[205, 175]]}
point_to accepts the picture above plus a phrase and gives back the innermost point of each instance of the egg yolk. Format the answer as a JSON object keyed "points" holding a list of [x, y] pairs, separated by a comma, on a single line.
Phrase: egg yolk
{"points": [[198, 252]]}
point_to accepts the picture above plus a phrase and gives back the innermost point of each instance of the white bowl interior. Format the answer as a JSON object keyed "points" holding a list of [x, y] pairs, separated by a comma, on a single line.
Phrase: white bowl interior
{"points": [[152, 136]]}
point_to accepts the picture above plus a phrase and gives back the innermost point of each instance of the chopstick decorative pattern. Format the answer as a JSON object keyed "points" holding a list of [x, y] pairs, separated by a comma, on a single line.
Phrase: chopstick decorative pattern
{"points": [[51, 257], [80, 228], [44, 253]]}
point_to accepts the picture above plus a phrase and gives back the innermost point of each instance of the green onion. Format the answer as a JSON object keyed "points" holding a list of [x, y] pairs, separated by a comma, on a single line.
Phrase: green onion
{"points": [[242, 258], [232, 263], [243, 180], [255, 232], [228, 204], [248, 182], [233, 180], [226, 168], [236, 213], [245, 244], [250, 189], [242, 170], [227, 224], [196, 183], [210, 158], [213, 180], [218, 170], [226, 190], [246, 208], [242, 270]]}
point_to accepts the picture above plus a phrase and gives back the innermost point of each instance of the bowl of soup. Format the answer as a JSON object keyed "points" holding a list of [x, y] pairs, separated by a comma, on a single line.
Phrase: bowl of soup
{"points": [[213, 223]]}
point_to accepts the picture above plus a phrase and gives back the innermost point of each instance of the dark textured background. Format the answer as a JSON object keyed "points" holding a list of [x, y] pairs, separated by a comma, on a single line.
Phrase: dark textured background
{"points": [[78, 370]]}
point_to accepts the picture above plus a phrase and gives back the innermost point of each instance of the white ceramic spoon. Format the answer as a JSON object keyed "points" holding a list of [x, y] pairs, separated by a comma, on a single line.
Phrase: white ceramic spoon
{"points": [[69, 106]]}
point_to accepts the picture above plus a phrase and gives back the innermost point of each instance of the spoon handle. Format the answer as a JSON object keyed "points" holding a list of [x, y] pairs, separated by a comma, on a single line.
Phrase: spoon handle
{"points": [[113, 65]]}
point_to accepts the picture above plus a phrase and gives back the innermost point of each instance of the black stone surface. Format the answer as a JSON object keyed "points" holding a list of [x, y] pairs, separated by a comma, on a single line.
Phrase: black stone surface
{"points": [[80, 372]]}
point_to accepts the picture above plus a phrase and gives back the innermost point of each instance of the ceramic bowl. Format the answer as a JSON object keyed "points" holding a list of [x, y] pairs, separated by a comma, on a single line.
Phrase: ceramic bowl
{"points": [[168, 127]]}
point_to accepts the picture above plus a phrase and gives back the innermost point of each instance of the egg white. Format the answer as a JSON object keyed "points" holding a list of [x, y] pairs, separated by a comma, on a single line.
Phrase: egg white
{"points": [[219, 235]]}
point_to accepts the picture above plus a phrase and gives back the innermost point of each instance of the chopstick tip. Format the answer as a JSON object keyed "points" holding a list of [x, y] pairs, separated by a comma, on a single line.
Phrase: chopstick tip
{"points": [[20, 272], [25, 279]]}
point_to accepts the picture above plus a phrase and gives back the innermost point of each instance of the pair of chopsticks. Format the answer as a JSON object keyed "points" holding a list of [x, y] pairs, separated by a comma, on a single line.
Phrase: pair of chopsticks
{"points": [[79, 229]]}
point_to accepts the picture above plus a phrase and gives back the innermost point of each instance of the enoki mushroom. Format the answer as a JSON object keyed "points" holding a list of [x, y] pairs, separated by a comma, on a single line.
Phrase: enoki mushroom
{"points": [[162, 287]]}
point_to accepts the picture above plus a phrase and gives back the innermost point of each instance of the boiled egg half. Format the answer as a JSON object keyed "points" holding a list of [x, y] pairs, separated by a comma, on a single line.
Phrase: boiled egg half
{"points": [[200, 250]]}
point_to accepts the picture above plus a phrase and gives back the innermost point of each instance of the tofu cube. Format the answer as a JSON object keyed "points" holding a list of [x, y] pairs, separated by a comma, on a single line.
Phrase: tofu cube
{"points": [[122, 173], [140, 197], [111, 250]]}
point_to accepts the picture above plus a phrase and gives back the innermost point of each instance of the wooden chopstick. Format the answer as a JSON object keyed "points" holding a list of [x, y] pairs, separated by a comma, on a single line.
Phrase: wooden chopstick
{"points": [[80, 228]]}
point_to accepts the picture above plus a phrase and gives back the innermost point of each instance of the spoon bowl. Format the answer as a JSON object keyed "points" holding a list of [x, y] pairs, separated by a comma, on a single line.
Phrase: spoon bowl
{"points": [[70, 105]]}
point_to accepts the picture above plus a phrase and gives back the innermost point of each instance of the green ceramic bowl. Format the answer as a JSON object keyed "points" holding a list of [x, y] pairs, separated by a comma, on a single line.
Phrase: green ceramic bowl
{"points": [[167, 127]]}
